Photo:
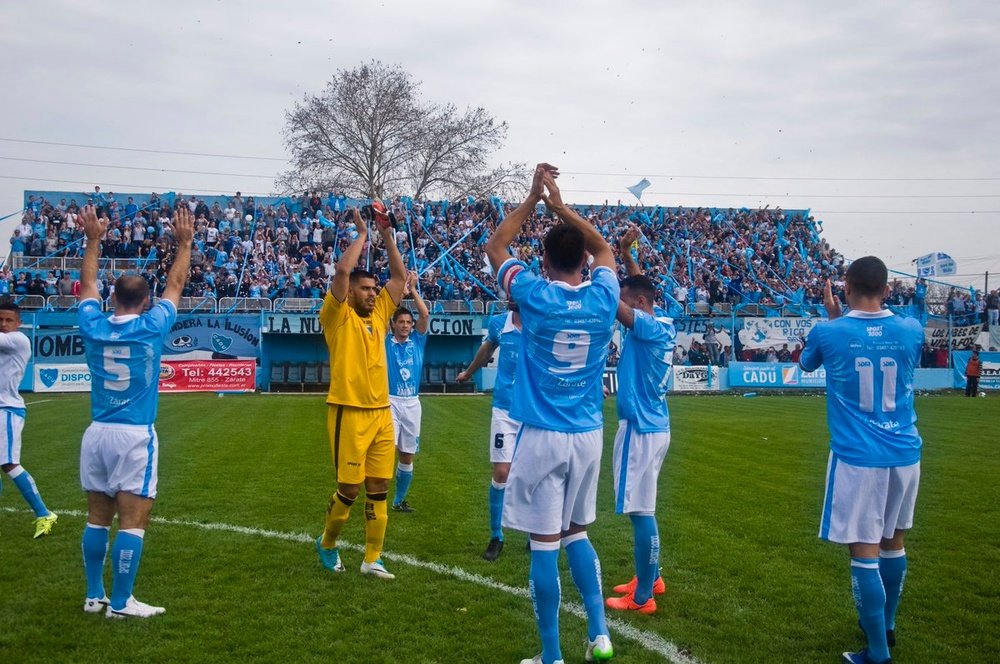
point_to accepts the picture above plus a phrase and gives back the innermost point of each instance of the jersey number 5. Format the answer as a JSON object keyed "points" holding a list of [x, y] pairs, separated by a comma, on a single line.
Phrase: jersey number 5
{"points": [[115, 358], [866, 382]]}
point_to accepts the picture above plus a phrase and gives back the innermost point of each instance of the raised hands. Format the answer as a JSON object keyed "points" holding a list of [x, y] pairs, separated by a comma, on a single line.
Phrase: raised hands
{"points": [[183, 226], [830, 302], [537, 181], [411, 280], [629, 237], [93, 227], [552, 196], [359, 222]]}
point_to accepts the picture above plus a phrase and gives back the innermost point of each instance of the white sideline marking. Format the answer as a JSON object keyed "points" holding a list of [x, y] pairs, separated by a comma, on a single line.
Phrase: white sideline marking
{"points": [[648, 640], [32, 403]]}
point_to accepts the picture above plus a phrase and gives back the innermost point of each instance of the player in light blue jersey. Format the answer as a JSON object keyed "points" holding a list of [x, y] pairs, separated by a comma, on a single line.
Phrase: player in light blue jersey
{"points": [[120, 450], [503, 332], [558, 396], [15, 352], [404, 351], [874, 469], [643, 436]]}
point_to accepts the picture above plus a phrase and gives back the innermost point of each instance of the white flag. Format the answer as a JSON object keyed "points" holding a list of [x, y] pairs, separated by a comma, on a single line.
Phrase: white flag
{"points": [[638, 188]]}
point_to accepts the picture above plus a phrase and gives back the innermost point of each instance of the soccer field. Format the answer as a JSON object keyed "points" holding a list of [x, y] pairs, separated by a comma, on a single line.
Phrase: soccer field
{"points": [[244, 482]]}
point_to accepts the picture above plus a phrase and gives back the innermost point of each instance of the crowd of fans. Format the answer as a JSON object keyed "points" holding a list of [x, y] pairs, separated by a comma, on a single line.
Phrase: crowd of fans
{"points": [[288, 248]]}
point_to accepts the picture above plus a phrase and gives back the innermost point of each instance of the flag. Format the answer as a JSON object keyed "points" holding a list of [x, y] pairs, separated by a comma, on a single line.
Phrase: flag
{"points": [[638, 188], [936, 264]]}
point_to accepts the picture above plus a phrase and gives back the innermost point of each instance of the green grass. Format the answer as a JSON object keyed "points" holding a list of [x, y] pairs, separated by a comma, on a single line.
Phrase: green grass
{"points": [[740, 497]]}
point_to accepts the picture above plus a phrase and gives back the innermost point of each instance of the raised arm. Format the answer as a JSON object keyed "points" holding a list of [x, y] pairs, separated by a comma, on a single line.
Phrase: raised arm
{"points": [[593, 240], [498, 246], [183, 233], [625, 243], [482, 358], [625, 315], [349, 259], [423, 314], [397, 270], [93, 228]]}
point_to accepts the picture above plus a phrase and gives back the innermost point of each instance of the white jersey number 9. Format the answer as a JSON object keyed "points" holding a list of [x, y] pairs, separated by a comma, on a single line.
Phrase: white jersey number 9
{"points": [[570, 347]]}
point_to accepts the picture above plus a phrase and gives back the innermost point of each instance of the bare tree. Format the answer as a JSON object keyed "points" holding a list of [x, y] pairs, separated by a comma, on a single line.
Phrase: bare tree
{"points": [[368, 134]]}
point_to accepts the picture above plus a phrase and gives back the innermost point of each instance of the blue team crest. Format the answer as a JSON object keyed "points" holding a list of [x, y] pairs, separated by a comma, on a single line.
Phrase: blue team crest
{"points": [[221, 343], [48, 376]]}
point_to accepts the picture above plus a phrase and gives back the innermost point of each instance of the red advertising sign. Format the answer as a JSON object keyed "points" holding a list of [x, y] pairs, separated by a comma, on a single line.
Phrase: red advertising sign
{"points": [[208, 376]]}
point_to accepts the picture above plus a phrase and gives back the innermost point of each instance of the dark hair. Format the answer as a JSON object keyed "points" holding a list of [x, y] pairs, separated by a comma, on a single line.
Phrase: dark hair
{"points": [[640, 284], [564, 247], [401, 311], [359, 274], [131, 291], [868, 276], [10, 306]]}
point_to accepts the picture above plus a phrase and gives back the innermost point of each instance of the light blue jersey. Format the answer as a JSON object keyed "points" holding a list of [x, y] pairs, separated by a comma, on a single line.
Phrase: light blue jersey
{"points": [[643, 372], [869, 360], [406, 363], [503, 333], [123, 354], [564, 344]]}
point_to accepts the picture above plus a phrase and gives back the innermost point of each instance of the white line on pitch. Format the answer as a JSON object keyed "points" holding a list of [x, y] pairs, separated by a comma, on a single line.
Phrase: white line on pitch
{"points": [[648, 640], [34, 403]]}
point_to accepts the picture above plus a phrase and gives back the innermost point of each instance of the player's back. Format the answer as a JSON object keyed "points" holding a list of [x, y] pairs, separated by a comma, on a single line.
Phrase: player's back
{"points": [[643, 372], [870, 359], [507, 337], [565, 335], [123, 354], [13, 361]]}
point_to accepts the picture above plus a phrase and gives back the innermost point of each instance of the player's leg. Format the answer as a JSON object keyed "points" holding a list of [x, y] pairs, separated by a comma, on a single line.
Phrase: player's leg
{"points": [[580, 510], [131, 454], [503, 439], [126, 555], [904, 483], [638, 458], [94, 544], [533, 503], [378, 471], [10, 458], [853, 514], [406, 414], [348, 460]]}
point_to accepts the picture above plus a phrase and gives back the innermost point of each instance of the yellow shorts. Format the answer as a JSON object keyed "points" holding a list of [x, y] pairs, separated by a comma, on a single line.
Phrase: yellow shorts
{"points": [[362, 443]]}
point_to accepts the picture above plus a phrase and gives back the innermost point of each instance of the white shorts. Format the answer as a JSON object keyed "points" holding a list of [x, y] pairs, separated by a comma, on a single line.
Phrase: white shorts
{"points": [[11, 425], [867, 504], [636, 479], [119, 457], [553, 480], [503, 436], [406, 413]]}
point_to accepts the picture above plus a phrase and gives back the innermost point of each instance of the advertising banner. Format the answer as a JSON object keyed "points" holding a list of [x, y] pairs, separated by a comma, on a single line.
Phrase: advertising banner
{"points": [[213, 337], [62, 378], [208, 376], [963, 337], [774, 375], [440, 325], [764, 333], [988, 380], [695, 379]]}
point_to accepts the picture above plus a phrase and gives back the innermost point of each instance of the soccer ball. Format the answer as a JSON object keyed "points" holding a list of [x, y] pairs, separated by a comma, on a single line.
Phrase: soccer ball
{"points": [[982, 394]]}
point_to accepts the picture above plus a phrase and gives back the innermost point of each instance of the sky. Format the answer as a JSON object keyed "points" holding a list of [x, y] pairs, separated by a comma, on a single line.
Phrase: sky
{"points": [[879, 117]]}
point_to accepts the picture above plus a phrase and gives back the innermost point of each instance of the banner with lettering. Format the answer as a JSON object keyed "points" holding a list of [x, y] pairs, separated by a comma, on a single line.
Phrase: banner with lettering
{"points": [[990, 377], [963, 337], [695, 379], [691, 331], [440, 325], [208, 376], [774, 375], [62, 378], [764, 333], [199, 337]]}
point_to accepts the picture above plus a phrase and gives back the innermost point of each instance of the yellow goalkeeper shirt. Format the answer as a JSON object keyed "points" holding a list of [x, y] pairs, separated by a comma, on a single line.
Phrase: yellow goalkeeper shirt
{"points": [[358, 372]]}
